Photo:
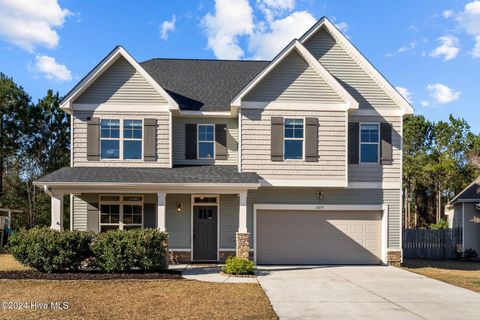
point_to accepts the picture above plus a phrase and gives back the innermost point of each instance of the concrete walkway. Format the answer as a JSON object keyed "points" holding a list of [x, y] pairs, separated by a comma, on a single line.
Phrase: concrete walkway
{"points": [[363, 292], [208, 273]]}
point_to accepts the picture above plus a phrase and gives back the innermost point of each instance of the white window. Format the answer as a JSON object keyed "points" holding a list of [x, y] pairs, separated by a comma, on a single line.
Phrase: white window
{"points": [[293, 139], [110, 138], [121, 212], [206, 141], [369, 142], [121, 140], [132, 139]]}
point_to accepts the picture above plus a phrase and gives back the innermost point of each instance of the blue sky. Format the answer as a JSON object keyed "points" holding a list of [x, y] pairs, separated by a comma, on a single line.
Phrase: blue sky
{"points": [[430, 49]]}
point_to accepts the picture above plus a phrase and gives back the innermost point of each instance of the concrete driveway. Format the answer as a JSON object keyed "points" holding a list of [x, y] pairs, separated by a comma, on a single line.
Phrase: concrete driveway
{"points": [[363, 292]]}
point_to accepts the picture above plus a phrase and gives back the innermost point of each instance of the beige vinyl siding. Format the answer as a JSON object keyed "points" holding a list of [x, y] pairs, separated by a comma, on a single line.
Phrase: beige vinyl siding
{"points": [[351, 75], [275, 195], [229, 211], [377, 172], [86, 210], [471, 228], [179, 223], [121, 84], [178, 137], [293, 80], [80, 139], [256, 128]]}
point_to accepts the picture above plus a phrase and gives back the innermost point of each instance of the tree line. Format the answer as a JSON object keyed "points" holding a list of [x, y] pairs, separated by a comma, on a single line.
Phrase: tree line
{"points": [[34, 141], [440, 158]]}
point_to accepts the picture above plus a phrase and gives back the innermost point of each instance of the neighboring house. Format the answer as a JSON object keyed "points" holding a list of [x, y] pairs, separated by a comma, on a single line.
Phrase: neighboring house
{"points": [[297, 160], [463, 212]]}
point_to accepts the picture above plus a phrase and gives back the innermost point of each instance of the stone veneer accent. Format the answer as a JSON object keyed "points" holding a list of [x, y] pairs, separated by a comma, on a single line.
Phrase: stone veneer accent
{"points": [[394, 258], [180, 257], [224, 255], [243, 245]]}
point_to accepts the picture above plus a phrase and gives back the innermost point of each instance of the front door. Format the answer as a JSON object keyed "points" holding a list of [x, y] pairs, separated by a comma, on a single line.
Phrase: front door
{"points": [[205, 233]]}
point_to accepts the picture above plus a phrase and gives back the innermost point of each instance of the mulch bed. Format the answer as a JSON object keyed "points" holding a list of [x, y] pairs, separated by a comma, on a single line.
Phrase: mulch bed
{"points": [[90, 275]]}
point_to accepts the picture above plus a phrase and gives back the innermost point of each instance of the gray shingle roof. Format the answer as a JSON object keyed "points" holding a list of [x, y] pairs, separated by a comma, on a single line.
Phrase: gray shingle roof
{"points": [[470, 192], [194, 174], [206, 85]]}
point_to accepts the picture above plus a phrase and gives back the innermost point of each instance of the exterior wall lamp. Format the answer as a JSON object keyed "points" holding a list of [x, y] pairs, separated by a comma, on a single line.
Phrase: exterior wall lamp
{"points": [[179, 206]]}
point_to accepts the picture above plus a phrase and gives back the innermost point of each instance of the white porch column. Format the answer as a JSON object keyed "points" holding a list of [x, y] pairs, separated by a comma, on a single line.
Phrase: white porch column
{"points": [[57, 211], [161, 216], [242, 216]]}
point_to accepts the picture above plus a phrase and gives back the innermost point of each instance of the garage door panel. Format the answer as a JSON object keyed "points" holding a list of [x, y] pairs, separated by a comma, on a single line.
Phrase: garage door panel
{"points": [[318, 237]]}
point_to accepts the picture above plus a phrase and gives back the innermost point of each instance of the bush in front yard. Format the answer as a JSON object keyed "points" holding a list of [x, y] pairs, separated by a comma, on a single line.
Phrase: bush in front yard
{"points": [[238, 266], [119, 251], [49, 250]]}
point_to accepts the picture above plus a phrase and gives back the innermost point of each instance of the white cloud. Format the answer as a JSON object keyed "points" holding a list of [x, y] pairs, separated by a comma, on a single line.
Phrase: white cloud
{"points": [[469, 21], [342, 26], [232, 19], [425, 103], [405, 93], [449, 48], [442, 94], [447, 14], [52, 69], [166, 27], [274, 8], [31, 23], [265, 44], [279, 4]]}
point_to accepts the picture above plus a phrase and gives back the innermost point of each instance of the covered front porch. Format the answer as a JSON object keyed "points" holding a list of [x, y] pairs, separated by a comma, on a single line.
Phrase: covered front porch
{"points": [[205, 221]]}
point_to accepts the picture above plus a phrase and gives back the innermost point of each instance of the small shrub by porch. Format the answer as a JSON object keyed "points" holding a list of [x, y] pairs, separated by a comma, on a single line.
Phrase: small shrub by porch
{"points": [[48, 250], [238, 266]]}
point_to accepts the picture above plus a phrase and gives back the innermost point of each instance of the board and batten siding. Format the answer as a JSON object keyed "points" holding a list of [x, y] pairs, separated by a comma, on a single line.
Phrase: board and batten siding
{"points": [[121, 84], [332, 139], [350, 74], [293, 80], [390, 197], [378, 172], [80, 139], [178, 140]]}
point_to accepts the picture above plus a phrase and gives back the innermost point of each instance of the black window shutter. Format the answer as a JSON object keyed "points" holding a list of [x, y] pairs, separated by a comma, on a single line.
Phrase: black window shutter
{"points": [[93, 139], [353, 142], [190, 141], [276, 146], [221, 151], [386, 150], [150, 139], [311, 139]]}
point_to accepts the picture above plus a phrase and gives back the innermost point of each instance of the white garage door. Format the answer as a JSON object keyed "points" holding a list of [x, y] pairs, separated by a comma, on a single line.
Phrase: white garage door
{"points": [[318, 237]]}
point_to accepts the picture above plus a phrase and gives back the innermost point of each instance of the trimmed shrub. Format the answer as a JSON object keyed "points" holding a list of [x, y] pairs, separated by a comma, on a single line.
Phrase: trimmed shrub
{"points": [[49, 250], [238, 266], [120, 251]]}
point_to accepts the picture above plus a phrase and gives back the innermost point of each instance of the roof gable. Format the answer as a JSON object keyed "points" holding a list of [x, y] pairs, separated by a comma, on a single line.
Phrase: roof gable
{"points": [[471, 192], [120, 83], [118, 59], [305, 68], [351, 68]]}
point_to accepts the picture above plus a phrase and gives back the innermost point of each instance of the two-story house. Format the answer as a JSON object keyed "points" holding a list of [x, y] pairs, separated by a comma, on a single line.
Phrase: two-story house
{"points": [[297, 160]]}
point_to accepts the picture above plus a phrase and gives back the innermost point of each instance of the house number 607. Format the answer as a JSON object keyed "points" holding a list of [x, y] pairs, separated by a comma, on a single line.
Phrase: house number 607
{"points": [[319, 207]]}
